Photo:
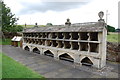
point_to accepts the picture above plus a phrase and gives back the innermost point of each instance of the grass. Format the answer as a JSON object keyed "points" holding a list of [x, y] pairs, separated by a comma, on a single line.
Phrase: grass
{"points": [[0, 66], [30, 26], [113, 37], [13, 69], [5, 42]]}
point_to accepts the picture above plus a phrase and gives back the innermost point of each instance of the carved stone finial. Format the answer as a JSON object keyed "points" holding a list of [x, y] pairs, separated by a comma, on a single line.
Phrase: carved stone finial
{"points": [[68, 23], [36, 25], [25, 25], [101, 14]]}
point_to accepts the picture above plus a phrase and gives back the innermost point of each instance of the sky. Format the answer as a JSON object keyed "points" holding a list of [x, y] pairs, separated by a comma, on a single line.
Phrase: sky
{"points": [[57, 11]]}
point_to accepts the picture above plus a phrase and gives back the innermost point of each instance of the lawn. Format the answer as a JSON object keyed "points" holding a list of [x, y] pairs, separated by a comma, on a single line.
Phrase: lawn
{"points": [[5, 41], [30, 26], [13, 69], [113, 37], [0, 66]]}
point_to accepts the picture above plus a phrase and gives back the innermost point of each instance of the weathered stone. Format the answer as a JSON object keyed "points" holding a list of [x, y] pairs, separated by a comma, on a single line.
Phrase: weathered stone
{"points": [[81, 44], [113, 51]]}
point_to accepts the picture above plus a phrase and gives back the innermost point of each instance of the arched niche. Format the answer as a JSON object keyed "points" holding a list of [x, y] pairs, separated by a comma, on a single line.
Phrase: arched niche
{"points": [[86, 61], [48, 53], [27, 48], [66, 57], [36, 50]]}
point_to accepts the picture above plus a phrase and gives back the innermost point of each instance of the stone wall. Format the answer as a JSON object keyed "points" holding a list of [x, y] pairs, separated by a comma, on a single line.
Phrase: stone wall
{"points": [[113, 52]]}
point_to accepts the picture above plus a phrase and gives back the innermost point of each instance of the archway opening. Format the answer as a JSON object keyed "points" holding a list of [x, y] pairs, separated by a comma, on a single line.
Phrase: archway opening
{"points": [[48, 53], [66, 57], [36, 50], [86, 61], [27, 48]]}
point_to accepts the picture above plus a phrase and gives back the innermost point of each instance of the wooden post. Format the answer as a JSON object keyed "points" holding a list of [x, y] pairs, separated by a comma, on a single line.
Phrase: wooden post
{"points": [[21, 43], [15, 43], [12, 43]]}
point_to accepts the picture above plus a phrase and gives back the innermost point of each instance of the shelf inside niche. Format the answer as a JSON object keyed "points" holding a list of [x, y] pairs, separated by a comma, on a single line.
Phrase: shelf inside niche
{"points": [[47, 35], [67, 35], [60, 44], [94, 47], [93, 36], [75, 46], [43, 35], [39, 42], [84, 36], [83, 46], [53, 35], [39, 35], [43, 42], [48, 43], [60, 35], [54, 44], [75, 35], [67, 45]]}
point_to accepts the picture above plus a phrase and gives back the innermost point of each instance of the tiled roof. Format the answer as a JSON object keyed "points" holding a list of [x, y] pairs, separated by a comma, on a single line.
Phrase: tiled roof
{"points": [[79, 27]]}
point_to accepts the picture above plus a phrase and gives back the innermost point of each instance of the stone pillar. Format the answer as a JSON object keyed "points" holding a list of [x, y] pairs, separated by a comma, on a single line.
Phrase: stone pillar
{"points": [[103, 55], [42, 51], [56, 55], [76, 58]]}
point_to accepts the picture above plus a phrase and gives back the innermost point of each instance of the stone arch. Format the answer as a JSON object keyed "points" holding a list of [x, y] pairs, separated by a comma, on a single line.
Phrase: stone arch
{"points": [[49, 53], [49, 50], [66, 57], [36, 50], [27, 48], [60, 53], [86, 61]]}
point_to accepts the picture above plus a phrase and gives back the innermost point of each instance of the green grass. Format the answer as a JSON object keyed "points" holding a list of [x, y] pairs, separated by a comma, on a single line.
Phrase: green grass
{"points": [[113, 37], [5, 42], [30, 26], [13, 69], [0, 66]]}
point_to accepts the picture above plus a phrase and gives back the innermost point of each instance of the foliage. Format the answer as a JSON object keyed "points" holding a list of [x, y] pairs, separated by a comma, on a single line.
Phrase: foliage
{"points": [[13, 69], [19, 28], [8, 19], [117, 30], [110, 28], [49, 24]]}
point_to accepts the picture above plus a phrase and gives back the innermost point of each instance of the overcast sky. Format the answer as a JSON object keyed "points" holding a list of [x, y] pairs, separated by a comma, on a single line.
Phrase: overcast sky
{"points": [[57, 11]]}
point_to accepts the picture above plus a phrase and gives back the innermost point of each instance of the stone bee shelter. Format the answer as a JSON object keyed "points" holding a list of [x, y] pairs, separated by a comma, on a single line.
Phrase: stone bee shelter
{"points": [[81, 43]]}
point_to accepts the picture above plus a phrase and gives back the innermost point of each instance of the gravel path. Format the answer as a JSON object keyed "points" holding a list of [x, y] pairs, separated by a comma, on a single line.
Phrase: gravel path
{"points": [[51, 68]]}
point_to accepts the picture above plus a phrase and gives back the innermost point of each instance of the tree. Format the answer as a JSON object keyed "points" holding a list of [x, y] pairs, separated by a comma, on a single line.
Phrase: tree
{"points": [[49, 24], [110, 28], [8, 19], [19, 28]]}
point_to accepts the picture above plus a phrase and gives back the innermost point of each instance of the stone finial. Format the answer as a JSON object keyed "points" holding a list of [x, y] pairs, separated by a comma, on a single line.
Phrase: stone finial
{"points": [[25, 25], [68, 23], [101, 14], [36, 25]]}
